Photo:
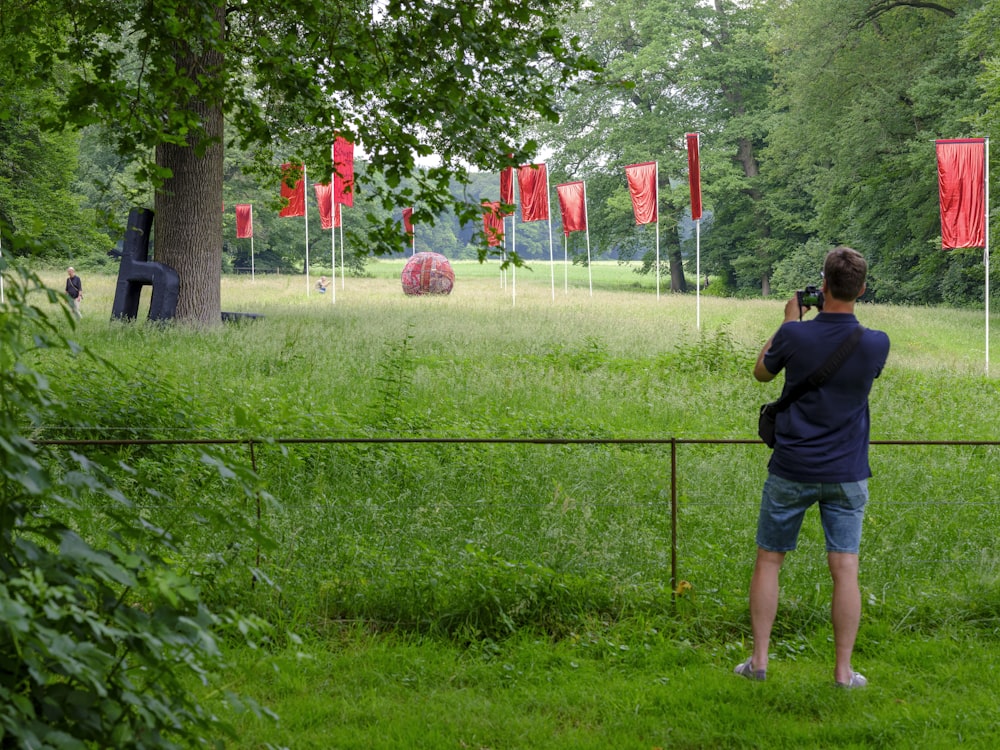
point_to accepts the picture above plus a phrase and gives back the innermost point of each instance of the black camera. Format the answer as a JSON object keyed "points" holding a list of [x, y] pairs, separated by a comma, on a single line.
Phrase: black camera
{"points": [[810, 297]]}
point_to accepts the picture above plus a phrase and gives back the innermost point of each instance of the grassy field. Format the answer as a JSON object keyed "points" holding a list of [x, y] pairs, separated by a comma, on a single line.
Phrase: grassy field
{"points": [[509, 595]]}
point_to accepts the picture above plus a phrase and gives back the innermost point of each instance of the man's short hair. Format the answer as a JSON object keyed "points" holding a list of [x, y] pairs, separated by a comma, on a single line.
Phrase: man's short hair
{"points": [[845, 270]]}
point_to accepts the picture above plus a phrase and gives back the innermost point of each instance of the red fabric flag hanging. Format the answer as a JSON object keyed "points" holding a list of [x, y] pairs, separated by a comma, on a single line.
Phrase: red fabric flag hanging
{"points": [[296, 196], [338, 215], [343, 171], [533, 182], [573, 205], [507, 186], [244, 220], [324, 198], [642, 187], [493, 223], [408, 221], [694, 174], [962, 188]]}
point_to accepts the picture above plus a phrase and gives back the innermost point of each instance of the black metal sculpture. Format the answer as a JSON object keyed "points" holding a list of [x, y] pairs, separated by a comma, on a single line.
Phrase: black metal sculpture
{"points": [[136, 271]]}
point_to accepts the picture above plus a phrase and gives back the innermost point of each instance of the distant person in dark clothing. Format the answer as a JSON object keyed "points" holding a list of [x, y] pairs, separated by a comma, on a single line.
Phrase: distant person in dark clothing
{"points": [[74, 290]]}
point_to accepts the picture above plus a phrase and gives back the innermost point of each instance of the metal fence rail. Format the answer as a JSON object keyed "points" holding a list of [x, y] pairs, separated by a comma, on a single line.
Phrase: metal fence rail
{"points": [[254, 444]]}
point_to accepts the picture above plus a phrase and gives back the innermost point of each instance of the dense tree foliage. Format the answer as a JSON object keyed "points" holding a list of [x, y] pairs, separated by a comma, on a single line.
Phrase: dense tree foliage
{"points": [[863, 94], [706, 70], [817, 124], [817, 121], [37, 171], [401, 80]]}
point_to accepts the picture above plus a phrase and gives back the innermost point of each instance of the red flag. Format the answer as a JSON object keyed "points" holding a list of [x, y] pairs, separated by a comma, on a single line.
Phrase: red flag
{"points": [[338, 214], [343, 171], [642, 187], [408, 221], [694, 174], [324, 198], [493, 223], [244, 220], [962, 187], [573, 205], [296, 196], [507, 186], [533, 182]]}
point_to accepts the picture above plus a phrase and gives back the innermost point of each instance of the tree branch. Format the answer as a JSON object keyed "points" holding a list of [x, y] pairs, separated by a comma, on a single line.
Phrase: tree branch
{"points": [[881, 7]]}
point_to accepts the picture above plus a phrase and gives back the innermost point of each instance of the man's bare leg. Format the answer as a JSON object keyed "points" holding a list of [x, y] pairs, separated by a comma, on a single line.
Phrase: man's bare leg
{"points": [[845, 610], [764, 603]]}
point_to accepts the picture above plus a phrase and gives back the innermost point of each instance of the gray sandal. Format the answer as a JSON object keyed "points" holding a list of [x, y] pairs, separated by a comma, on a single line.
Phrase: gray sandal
{"points": [[746, 670], [857, 681]]}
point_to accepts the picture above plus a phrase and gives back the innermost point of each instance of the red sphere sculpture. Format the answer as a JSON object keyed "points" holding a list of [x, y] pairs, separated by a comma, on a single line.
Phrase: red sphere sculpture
{"points": [[428, 273]]}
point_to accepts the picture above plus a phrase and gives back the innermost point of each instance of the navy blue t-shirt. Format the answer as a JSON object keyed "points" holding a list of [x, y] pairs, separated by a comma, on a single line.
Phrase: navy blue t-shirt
{"points": [[823, 436]]}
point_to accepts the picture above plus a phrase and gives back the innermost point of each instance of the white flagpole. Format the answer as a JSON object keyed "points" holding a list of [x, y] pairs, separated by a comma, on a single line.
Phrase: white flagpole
{"points": [[341, 214], [697, 226], [333, 250], [503, 255], [338, 218], [552, 262], [305, 213], [513, 239], [697, 272], [253, 270], [656, 192], [565, 263], [986, 251], [590, 273]]}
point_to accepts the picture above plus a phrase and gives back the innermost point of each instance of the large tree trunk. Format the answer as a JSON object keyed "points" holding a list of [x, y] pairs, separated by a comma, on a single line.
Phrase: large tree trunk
{"points": [[188, 222], [677, 281]]}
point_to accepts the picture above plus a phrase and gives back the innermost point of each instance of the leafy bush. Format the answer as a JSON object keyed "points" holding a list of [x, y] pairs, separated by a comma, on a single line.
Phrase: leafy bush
{"points": [[98, 644]]}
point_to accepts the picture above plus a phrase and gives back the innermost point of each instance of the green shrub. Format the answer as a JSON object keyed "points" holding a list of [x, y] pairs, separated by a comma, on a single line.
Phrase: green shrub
{"points": [[99, 644]]}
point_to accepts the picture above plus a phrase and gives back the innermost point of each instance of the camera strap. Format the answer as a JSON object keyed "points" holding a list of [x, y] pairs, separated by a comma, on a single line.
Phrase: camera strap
{"points": [[820, 376]]}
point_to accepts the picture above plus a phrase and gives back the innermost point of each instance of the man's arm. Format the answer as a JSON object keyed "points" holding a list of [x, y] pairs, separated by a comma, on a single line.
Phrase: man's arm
{"points": [[760, 372]]}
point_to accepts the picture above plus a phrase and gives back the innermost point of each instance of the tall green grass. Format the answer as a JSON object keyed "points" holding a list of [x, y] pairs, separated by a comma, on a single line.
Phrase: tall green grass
{"points": [[561, 550], [486, 363]]}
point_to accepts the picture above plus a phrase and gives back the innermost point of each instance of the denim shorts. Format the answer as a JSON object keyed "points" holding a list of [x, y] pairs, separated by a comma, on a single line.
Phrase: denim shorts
{"points": [[784, 504]]}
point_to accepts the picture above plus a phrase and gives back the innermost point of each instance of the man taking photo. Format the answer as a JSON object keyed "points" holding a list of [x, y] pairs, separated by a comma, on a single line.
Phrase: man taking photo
{"points": [[820, 456]]}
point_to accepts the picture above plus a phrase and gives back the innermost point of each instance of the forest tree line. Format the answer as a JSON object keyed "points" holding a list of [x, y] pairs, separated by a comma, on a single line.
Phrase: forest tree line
{"points": [[817, 123]]}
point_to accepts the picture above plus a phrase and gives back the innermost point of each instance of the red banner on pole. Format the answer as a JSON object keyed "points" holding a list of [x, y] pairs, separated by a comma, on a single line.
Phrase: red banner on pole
{"points": [[962, 188], [244, 220], [408, 221], [642, 187], [296, 196], [343, 171], [493, 223], [324, 198], [694, 174], [507, 186], [573, 206], [533, 182]]}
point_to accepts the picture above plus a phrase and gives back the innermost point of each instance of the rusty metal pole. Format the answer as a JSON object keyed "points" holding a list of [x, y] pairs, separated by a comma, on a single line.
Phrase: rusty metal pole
{"points": [[673, 519], [253, 465]]}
